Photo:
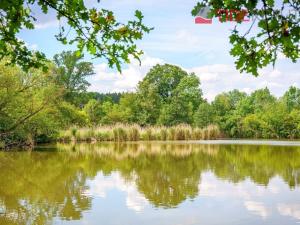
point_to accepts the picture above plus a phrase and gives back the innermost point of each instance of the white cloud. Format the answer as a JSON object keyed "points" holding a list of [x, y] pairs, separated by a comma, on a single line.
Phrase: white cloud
{"points": [[185, 41], [255, 198], [184, 36], [275, 73], [46, 24], [292, 210], [211, 73], [218, 78], [247, 90], [106, 80], [258, 208], [33, 47], [103, 184], [245, 190], [43, 20]]}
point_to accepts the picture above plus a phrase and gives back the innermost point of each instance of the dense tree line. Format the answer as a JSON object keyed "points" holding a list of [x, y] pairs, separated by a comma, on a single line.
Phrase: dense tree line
{"points": [[258, 115], [169, 96], [35, 105]]}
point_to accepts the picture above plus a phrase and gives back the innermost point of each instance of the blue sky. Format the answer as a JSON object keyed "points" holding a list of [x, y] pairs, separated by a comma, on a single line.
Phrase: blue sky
{"points": [[176, 39]]}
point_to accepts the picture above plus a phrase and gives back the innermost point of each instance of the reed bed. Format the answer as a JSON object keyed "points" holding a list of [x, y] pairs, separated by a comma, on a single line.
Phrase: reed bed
{"points": [[124, 132]]}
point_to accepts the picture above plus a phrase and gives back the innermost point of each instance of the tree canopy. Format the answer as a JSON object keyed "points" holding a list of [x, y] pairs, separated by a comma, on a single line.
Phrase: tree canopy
{"points": [[278, 30], [96, 31], [35, 105], [171, 90], [71, 73]]}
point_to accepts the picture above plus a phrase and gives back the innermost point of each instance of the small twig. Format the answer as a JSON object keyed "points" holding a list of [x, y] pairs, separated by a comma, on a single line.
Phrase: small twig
{"points": [[250, 28], [266, 18]]}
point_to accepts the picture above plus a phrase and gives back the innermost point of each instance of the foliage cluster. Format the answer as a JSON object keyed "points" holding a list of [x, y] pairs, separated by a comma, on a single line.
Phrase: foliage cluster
{"points": [[275, 25], [35, 105], [258, 115]]}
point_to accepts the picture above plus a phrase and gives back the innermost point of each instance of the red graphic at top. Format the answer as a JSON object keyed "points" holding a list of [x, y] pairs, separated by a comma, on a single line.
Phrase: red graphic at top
{"points": [[223, 14], [202, 16]]}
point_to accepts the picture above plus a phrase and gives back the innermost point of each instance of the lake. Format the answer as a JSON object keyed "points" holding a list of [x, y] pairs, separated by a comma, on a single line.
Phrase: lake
{"points": [[161, 183]]}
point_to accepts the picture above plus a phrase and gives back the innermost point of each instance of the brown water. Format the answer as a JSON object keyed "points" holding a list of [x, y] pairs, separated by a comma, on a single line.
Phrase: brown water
{"points": [[152, 183]]}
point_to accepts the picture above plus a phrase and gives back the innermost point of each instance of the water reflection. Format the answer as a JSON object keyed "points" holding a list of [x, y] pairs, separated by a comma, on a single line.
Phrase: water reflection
{"points": [[184, 182]]}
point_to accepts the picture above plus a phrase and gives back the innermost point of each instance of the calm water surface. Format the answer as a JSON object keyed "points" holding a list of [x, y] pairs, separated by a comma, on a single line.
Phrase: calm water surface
{"points": [[152, 183]]}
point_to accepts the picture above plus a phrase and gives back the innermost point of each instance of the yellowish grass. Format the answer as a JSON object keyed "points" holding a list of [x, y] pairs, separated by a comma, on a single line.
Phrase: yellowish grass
{"points": [[125, 132]]}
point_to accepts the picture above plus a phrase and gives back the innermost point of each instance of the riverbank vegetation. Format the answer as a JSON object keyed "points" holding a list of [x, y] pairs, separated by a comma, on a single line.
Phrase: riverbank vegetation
{"points": [[168, 104], [121, 132]]}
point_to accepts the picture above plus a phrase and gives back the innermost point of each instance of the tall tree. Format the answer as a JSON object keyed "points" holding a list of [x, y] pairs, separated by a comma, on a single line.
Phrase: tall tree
{"points": [[204, 115], [262, 99], [292, 98], [169, 95], [184, 101], [71, 73]]}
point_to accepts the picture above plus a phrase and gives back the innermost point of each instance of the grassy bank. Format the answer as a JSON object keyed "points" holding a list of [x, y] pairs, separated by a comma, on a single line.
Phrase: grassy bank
{"points": [[121, 132]]}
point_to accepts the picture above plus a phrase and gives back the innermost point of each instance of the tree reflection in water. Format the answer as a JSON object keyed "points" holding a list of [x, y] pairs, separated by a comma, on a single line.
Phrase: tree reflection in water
{"points": [[41, 185]]}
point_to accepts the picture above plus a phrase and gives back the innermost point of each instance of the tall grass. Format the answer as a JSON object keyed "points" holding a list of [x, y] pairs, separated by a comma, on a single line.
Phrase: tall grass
{"points": [[123, 132]]}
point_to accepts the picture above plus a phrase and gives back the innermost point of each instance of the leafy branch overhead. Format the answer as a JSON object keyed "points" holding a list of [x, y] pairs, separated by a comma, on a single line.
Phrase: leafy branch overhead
{"points": [[278, 30], [92, 30]]}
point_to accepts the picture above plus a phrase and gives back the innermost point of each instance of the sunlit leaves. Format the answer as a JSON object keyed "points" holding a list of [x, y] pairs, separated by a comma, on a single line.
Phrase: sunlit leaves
{"points": [[91, 30]]}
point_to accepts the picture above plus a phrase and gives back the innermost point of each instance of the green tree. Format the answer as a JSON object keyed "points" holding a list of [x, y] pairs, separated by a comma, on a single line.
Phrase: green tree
{"points": [[149, 101], [70, 115], [252, 126], [262, 100], [235, 97], [94, 111], [245, 106], [292, 98], [225, 102], [277, 30], [291, 125], [95, 31], [204, 115], [222, 104], [165, 78], [23, 99], [71, 74], [114, 113], [169, 95], [129, 104], [275, 117], [231, 121], [183, 103]]}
